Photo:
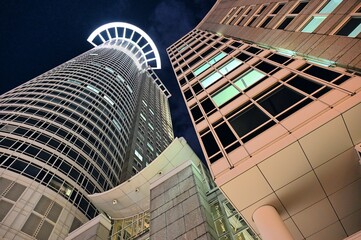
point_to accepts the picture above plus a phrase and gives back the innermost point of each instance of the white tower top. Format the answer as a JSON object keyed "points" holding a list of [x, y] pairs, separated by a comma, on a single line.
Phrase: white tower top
{"points": [[130, 38]]}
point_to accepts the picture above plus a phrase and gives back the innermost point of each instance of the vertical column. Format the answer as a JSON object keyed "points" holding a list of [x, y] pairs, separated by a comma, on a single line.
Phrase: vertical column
{"points": [[270, 224]]}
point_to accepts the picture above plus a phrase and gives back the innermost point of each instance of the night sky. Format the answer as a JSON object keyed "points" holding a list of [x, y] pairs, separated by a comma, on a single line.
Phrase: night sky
{"points": [[36, 36]]}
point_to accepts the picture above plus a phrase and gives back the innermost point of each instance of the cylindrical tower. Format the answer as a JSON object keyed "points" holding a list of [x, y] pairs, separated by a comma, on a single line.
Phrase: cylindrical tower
{"points": [[80, 128]]}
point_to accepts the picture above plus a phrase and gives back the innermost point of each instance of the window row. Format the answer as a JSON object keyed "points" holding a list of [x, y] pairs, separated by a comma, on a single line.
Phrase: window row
{"points": [[50, 180], [55, 161], [248, 15]]}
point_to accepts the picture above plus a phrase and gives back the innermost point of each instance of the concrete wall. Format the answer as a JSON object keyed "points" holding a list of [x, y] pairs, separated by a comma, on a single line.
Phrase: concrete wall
{"points": [[96, 229], [178, 207]]}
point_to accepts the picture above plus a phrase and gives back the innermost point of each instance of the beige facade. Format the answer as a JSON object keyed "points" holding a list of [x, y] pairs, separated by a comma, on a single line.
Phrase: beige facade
{"points": [[273, 89]]}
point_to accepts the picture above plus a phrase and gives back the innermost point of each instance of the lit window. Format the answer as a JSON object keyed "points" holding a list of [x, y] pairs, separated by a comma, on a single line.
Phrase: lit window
{"points": [[142, 116], [150, 147], [182, 48], [130, 89], [120, 78], [352, 28], [320, 16], [117, 124], [225, 69], [208, 64], [139, 156], [109, 100], [224, 95], [144, 103], [313, 24], [74, 81], [150, 110], [330, 6], [150, 126], [94, 89], [109, 69], [249, 78]]}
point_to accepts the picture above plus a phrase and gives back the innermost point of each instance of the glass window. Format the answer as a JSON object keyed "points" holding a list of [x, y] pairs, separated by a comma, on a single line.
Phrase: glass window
{"points": [[210, 144], [109, 100], [247, 120], [322, 73], [249, 78], [278, 8], [150, 147], [138, 155], [210, 62], [285, 22], [299, 7], [275, 104], [109, 69], [225, 69], [265, 67], [352, 28], [143, 117], [304, 84], [117, 124], [130, 89], [330, 6], [313, 24], [74, 81], [224, 95], [196, 113], [225, 134], [210, 79], [220, 226], [265, 23], [278, 58], [208, 106], [216, 210], [120, 78], [94, 89], [197, 88]]}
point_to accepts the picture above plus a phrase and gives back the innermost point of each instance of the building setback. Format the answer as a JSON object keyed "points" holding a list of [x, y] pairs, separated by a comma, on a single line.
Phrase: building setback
{"points": [[81, 128], [273, 90]]}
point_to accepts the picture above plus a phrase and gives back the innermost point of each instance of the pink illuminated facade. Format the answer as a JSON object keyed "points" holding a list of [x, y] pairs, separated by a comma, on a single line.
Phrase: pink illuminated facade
{"points": [[273, 90]]}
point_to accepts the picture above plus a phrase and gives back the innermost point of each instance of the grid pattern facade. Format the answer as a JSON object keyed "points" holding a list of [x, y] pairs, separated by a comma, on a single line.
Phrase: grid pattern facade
{"points": [[81, 128], [216, 72], [294, 25], [273, 90]]}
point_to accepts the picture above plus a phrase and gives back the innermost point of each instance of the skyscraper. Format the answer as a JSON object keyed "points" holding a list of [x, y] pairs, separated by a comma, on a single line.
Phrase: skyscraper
{"points": [[81, 128], [273, 90]]}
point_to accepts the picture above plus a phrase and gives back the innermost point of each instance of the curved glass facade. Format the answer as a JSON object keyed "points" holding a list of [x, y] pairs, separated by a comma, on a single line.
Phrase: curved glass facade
{"points": [[81, 128]]}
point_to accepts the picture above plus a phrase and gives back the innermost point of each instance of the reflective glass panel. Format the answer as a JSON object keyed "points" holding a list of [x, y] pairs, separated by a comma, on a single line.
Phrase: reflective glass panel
{"points": [[352, 28], [330, 6], [249, 78], [207, 65], [313, 24], [224, 95], [215, 76]]}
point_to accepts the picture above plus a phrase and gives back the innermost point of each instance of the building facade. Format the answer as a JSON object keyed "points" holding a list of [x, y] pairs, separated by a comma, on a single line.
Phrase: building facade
{"points": [[172, 198], [273, 90], [81, 128]]}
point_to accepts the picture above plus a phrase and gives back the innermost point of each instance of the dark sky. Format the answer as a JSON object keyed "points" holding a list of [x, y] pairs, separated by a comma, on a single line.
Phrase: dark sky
{"points": [[36, 36]]}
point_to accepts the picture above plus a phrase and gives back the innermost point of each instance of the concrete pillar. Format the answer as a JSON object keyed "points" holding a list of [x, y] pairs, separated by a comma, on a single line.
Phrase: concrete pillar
{"points": [[270, 224]]}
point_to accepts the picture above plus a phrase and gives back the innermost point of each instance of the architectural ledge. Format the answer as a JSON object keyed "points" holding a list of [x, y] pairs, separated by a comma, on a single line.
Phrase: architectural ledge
{"points": [[133, 196]]}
